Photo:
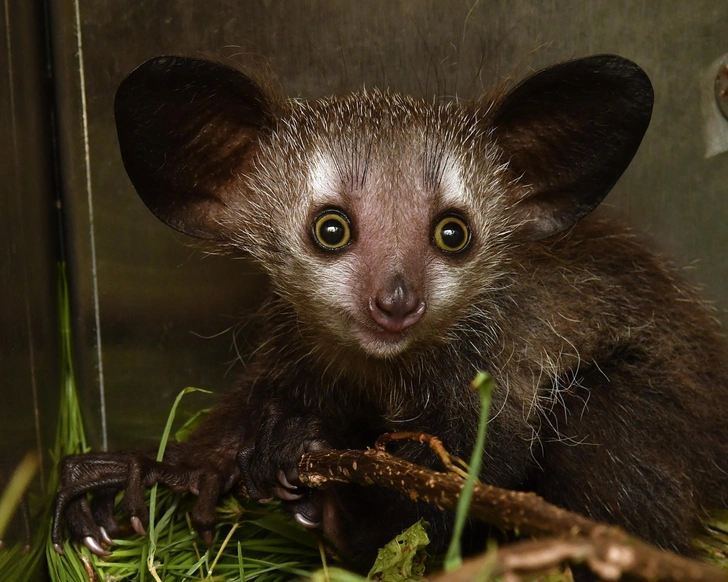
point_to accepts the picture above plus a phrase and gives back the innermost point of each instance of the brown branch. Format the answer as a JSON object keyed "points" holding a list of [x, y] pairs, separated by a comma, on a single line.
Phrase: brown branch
{"points": [[608, 551], [607, 558]]}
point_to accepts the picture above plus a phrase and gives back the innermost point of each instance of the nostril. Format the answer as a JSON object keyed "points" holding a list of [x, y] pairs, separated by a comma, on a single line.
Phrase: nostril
{"points": [[396, 304], [380, 305], [396, 310]]}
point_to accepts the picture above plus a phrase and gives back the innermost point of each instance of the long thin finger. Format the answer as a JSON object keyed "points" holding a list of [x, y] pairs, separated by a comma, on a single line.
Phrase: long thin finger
{"points": [[102, 506], [244, 464], [134, 505], [203, 513]]}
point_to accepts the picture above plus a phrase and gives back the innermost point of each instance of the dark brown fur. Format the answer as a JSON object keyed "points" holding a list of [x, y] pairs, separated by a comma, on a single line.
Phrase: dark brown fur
{"points": [[612, 388], [630, 413]]}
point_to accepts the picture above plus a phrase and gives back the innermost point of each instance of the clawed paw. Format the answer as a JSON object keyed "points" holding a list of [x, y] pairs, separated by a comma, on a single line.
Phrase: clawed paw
{"points": [[89, 484], [269, 466]]}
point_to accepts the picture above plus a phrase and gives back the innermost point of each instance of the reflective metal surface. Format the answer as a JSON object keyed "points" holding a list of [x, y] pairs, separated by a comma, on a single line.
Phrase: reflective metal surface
{"points": [[151, 314], [28, 248]]}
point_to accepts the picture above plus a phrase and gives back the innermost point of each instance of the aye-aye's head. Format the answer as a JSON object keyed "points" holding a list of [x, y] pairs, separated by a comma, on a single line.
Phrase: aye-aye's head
{"points": [[382, 219]]}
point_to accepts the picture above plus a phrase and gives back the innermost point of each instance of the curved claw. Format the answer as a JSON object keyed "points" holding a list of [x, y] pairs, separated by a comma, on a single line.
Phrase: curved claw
{"points": [[94, 546], [207, 537], [137, 526], [58, 548], [105, 537], [305, 522], [283, 480], [286, 495]]}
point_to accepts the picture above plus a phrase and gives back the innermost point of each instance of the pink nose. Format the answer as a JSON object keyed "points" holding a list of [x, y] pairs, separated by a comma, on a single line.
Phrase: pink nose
{"points": [[397, 308]]}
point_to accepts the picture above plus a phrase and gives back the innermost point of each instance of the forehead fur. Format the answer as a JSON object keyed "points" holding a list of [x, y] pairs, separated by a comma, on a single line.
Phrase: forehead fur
{"points": [[385, 127], [341, 142]]}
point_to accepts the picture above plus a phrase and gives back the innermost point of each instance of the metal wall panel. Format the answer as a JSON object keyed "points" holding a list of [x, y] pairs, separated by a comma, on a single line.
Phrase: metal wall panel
{"points": [[146, 305], [29, 357]]}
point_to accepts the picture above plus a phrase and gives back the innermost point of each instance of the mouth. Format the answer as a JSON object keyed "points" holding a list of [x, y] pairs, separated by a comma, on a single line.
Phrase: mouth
{"points": [[382, 343]]}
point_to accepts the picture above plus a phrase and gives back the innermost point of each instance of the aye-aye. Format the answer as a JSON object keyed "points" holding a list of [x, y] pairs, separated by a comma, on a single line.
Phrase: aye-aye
{"points": [[409, 244]]}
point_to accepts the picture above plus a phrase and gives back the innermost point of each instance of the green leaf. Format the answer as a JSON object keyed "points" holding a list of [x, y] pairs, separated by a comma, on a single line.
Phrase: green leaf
{"points": [[404, 557], [184, 432]]}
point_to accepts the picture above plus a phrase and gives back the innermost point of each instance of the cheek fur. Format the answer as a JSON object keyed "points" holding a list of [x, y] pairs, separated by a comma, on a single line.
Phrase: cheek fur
{"points": [[336, 286], [458, 293], [443, 289], [329, 297]]}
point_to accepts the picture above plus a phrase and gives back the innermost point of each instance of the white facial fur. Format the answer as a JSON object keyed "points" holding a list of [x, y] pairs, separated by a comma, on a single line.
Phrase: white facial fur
{"points": [[374, 158]]}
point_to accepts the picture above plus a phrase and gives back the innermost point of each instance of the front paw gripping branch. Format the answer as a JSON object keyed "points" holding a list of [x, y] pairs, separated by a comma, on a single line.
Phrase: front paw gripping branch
{"points": [[243, 536]]}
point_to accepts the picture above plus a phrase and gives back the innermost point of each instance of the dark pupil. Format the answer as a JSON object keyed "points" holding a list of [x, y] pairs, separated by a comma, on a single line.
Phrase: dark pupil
{"points": [[332, 232], [453, 235]]}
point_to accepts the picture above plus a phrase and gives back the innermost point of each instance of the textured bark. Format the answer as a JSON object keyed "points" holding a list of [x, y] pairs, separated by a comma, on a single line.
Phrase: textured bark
{"points": [[608, 551]]}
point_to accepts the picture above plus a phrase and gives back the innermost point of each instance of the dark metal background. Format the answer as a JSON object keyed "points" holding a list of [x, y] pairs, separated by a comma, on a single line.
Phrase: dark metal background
{"points": [[151, 314], [29, 374]]}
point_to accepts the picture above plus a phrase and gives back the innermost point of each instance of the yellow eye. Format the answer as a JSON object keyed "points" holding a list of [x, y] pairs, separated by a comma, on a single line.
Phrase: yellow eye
{"points": [[331, 230], [451, 235]]}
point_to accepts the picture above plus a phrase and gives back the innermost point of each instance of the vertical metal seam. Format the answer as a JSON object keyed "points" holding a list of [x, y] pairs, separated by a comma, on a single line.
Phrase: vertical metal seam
{"points": [[92, 237], [28, 318]]}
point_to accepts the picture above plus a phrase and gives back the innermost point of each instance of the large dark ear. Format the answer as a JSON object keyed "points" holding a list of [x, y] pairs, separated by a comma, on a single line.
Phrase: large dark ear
{"points": [[186, 128], [568, 132]]}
